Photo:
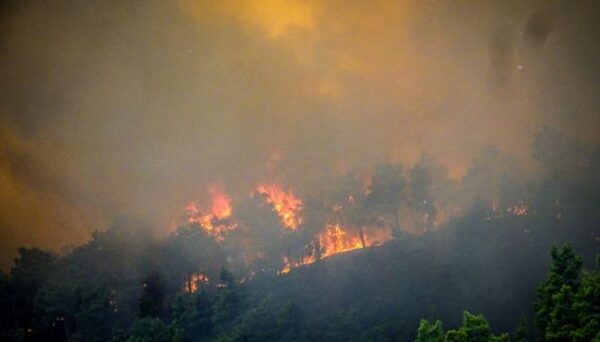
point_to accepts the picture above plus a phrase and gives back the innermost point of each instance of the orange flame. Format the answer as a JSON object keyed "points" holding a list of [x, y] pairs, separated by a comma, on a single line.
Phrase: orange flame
{"points": [[221, 203], [194, 282], [212, 221], [333, 239], [289, 264], [285, 204], [336, 240]]}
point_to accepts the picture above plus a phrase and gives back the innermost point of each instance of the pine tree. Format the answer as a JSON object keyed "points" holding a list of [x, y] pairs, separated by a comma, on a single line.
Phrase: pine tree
{"points": [[555, 294], [430, 332], [520, 333]]}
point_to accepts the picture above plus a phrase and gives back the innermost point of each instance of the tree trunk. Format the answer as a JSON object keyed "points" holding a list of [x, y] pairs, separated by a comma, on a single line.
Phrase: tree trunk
{"points": [[361, 232], [317, 248]]}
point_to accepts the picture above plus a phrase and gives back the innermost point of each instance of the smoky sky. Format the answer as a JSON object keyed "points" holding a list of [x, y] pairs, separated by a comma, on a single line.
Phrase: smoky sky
{"points": [[111, 108]]}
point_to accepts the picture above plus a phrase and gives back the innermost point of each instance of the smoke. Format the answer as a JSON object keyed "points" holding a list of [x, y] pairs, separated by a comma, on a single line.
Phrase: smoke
{"points": [[111, 108]]}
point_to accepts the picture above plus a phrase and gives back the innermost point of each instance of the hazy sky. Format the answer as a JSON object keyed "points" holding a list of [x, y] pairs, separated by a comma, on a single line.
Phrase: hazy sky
{"points": [[133, 107]]}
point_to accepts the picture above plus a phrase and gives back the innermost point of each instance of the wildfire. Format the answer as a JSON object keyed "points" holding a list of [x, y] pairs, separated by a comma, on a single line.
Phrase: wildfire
{"points": [[215, 220], [285, 204], [288, 264], [194, 282], [221, 203], [336, 240]]}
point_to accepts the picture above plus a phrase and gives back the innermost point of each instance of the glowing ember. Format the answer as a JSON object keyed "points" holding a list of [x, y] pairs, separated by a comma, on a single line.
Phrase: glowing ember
{"points": [[519, 209], [288, 264], [194, 282], [285, 204], [288, 267]]}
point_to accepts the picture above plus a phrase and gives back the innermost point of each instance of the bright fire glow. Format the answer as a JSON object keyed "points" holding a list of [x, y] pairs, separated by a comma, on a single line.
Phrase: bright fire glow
{"points": [[336, 240], [215, 220], [221, 203], [284, 203]]}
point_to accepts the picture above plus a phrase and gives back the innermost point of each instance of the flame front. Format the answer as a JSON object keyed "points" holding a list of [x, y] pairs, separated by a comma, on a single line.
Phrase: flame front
{"points": [[285, 204], [334, 239]]}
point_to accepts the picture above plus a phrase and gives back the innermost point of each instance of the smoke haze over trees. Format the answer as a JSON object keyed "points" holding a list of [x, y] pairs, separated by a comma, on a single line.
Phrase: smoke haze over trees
{"points": [[114, 109], [266, 279], [282, 170]]}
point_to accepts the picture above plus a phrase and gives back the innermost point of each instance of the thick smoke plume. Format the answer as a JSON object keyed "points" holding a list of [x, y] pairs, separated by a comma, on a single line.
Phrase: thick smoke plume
{"points": [[111, 108]]}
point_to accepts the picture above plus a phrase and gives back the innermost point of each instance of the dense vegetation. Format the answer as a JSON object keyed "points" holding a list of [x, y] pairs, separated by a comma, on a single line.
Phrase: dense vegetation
{"points": [[484, 265], [567, 308]]}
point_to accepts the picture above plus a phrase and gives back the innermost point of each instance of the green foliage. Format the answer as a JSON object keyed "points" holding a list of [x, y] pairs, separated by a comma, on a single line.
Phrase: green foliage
{"points": [[192, 314], [150, 329], [152, 297], [94, 315], [189, 250], [227, 304], [567, 308], [344, 325], [478, 329], [520, 333], [475, 328], [554, 314], [30, 273], [587, 307], [488, 263], [430, 332], [568, 305], [264, 324]]}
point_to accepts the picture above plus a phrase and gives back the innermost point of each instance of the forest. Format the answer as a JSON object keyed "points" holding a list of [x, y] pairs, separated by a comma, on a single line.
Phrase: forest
{"points": [[299, 170], [493, 257]]}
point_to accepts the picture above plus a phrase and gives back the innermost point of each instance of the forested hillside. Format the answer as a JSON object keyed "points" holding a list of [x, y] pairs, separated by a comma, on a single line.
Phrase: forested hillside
{"points": [[126, 284], [299, 170]]}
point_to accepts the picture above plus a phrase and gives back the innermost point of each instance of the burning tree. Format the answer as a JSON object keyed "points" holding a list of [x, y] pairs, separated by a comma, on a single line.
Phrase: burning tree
{"points": [[387, 193], [193, 256], [263, 231], [316, 218], [350, 210]]}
